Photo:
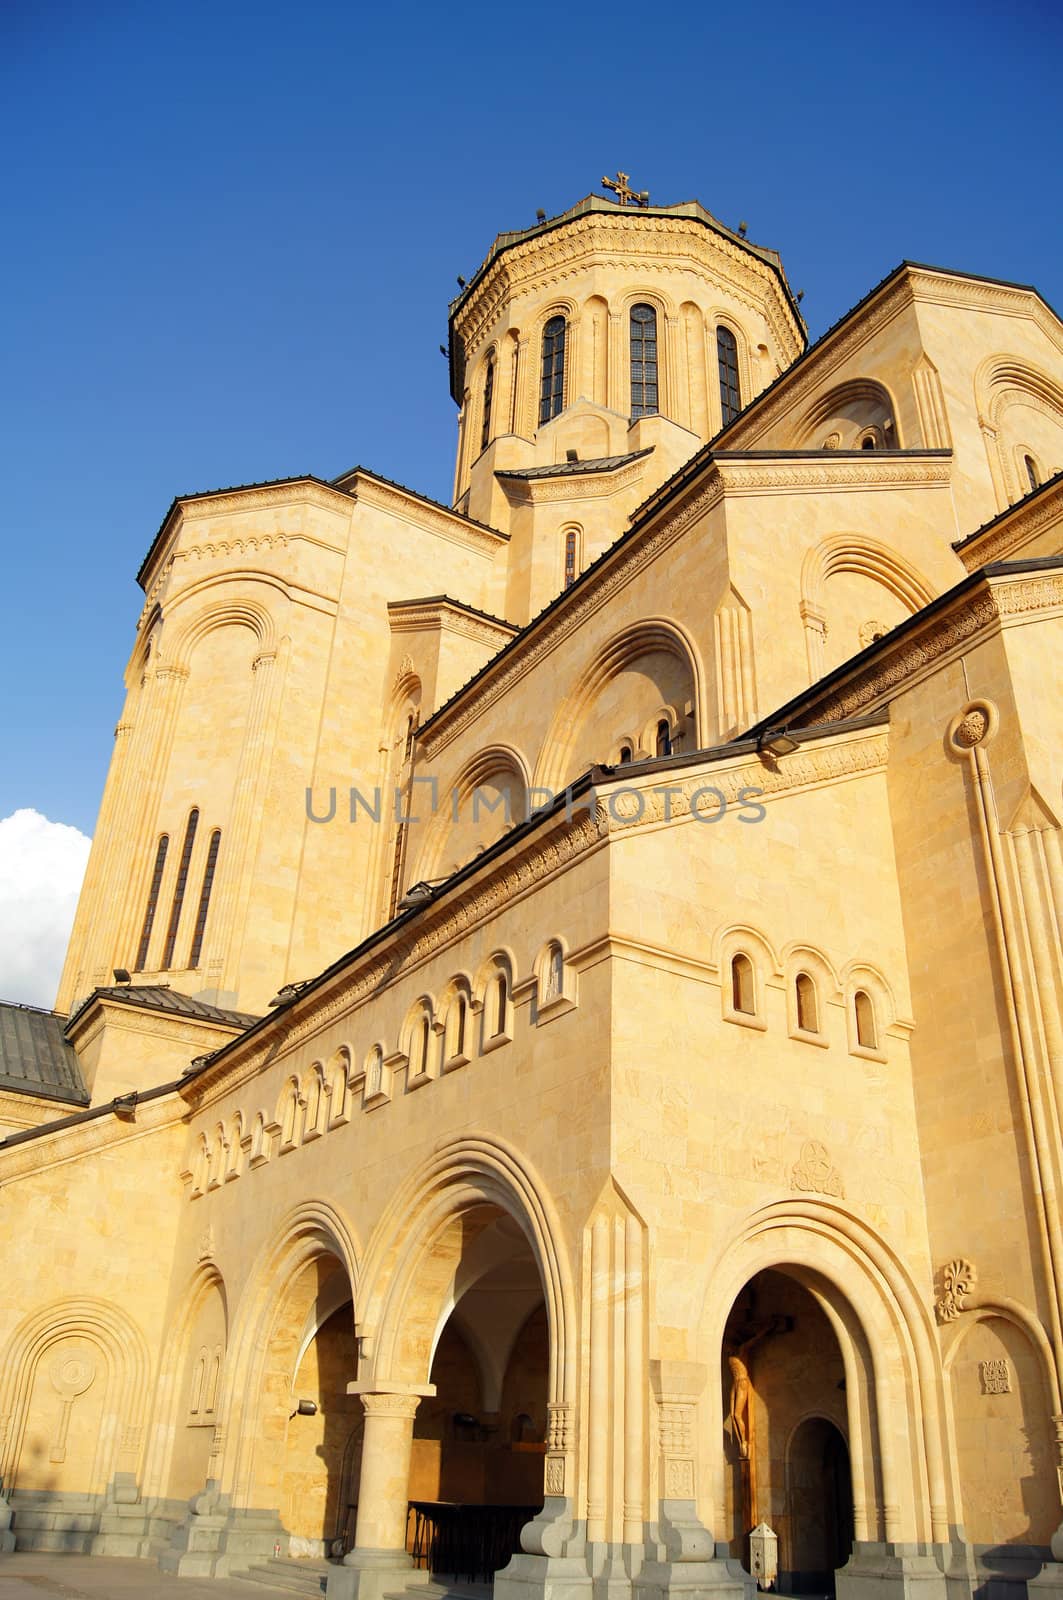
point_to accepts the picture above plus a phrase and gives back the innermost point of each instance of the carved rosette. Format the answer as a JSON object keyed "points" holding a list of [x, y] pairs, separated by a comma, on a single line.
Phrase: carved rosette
{"points": [[559, 1435], [974, 725], [675, 1437], [958, 1279]]}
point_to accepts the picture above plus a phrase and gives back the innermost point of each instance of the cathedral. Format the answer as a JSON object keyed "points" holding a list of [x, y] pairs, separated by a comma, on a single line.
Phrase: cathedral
{"points": [[557, 1080]]}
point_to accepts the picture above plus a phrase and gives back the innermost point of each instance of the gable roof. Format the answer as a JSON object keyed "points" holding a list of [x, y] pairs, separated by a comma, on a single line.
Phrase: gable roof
{"points": [[35, 1058], [155, 997]]}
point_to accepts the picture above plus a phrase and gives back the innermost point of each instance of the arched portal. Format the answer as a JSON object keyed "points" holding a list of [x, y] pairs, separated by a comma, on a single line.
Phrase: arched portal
{"points": [[469, 1381], [479, 1442], [292, 1425], [787, 1420]]}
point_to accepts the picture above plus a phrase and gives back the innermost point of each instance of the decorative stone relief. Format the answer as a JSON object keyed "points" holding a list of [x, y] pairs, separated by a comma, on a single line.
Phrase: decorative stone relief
{"points": [[870, 631], [558, 1444], [675, 1433], [996, 1376], [814, 1174], [207, 1243], [71, 1374], [390, 1405], [958, 1279]]}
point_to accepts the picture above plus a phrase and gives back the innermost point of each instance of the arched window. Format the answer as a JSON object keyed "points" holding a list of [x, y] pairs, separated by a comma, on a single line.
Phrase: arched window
{"points": [[457, 1034], [411, 729], [555, 973], [489, 389], [664, 738], [424, 1043], [552, 384], [179, 888], [1032, 472], [866, 1032], [501, 1003], [727, 360], [807, 1006], [868, 442], [625, 754], [153, 901], [743, 995], [204, 898], [643, 361], [571, 556]]}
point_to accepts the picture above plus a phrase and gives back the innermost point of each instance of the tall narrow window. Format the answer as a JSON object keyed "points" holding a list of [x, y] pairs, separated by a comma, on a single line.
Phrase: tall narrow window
{"points": [[571, 551], [489, 390], [743, 997], [425, 1043], [552, 385], [643, 361], [501, 1002], [204, 898], [866, 1032], [179, 889], [1032, 472], [153, 900], [664, 738], [727, 358], [458, 1036], [625, 754], [807, 1010]]}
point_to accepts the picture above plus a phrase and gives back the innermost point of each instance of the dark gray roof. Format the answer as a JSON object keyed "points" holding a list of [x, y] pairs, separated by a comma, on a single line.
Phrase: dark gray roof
{"points": [[571, 469], [34, 1056], [153, 997]]}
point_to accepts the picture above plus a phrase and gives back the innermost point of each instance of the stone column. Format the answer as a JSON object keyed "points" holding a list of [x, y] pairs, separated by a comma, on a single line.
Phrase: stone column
{"points": [[369, 1570]]}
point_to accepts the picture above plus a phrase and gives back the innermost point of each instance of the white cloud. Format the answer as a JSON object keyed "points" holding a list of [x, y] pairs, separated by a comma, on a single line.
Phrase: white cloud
{"points": [[42, 864]]}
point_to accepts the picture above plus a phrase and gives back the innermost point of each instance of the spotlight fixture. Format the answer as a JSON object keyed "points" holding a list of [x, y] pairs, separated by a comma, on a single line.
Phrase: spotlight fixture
{"points": [[121, 976], [540, 215], [743, 228], [461, 281], [777, 742], [418, 894], [304, 1408], [800, 296]]}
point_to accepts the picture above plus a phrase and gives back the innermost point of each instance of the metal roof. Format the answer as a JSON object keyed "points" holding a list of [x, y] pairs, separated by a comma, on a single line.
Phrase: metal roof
{"points": [[567, 469], [35, 1058], [154, 997]]}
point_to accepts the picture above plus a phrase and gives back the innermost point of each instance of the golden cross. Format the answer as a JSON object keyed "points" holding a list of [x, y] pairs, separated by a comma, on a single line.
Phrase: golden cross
{"points": [[624, 192]]}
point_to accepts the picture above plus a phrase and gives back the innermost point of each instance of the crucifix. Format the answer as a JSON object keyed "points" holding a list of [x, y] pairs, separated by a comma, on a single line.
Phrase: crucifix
{"points": [[623, 191]]}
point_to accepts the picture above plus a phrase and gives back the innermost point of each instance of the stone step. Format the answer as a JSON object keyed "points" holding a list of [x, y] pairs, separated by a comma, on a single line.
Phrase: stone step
{"points": [[287, 1576]]}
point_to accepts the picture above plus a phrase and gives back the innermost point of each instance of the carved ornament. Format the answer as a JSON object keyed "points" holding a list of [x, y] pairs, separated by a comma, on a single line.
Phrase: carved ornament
{"points": [[958, 1279]]}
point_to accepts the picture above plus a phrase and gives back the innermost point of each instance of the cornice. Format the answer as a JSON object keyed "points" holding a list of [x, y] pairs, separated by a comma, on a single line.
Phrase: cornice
{"points": [[817, 365], [581, 486], [1007, 535], [199, 508], [1008, 299], [658, 244], [176, 1028], [876, 469], [629, 557], [981, 612], [634, 805], [418, 618], [449, 525], [63, 1144]]}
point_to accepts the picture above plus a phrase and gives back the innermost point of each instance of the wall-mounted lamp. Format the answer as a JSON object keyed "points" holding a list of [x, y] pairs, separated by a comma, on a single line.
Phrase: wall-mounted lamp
{"points": [[121, 975], [777, 742], [304, 1408]]}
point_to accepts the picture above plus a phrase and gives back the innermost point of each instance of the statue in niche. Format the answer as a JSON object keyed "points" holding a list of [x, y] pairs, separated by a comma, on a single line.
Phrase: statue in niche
{"points": [[741, 1382]]}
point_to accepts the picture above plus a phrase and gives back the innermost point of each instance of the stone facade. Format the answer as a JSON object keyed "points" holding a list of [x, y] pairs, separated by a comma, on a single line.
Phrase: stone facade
{"points": [[594, 1039]]}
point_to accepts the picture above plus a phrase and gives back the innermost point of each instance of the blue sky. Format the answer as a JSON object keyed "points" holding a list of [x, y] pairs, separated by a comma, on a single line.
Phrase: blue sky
{"points": [[232, 233]]}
